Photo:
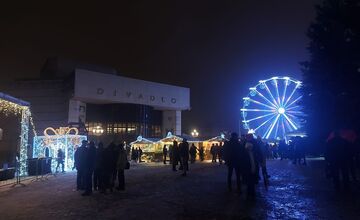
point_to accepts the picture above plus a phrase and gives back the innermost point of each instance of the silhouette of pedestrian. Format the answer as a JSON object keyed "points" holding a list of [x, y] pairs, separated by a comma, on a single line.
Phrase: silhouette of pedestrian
{"points": [[79, 164], [213, 153], [121, 164], [90, 157], [337, 158], [184, 155], [60, 160], [233, 155], [201, 153], [175, 155], [165, 151], [192, 152]]}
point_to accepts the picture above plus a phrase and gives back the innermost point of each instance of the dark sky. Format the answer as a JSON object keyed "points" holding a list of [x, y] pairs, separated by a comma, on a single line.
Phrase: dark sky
{"points": [[216, 48]]}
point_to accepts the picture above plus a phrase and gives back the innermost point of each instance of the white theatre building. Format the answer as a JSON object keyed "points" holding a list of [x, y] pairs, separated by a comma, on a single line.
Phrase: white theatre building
{"points": [[117, 107]]}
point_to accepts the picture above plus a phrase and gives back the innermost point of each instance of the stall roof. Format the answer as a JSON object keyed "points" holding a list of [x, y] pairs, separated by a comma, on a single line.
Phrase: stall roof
{"points": [[12, 99], [142, 140], [220, 138]]}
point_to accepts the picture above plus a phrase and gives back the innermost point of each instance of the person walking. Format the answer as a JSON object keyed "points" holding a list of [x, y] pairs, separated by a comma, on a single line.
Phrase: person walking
{"points": [[90, 157], [192, 152], [60, 160], [165, 151], [120, 165], [79, 164], [233, 155], [184, 155]]}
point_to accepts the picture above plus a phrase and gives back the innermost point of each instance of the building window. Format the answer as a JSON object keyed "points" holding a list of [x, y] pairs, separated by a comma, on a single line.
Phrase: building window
{"points": [[119, 128], [131, 128], [109, 129]]}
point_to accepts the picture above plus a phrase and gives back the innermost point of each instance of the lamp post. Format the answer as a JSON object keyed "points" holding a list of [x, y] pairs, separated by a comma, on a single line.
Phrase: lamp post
{"points": [[195, 133]]}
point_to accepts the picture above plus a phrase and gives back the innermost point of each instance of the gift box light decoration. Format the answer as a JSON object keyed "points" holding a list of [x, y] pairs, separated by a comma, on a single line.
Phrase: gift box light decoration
{"points": [[64, 138]]}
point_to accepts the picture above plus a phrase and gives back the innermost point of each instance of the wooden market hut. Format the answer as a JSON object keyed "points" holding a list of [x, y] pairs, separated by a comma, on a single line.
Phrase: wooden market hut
{"points": [[149, 146], [215, 140]]}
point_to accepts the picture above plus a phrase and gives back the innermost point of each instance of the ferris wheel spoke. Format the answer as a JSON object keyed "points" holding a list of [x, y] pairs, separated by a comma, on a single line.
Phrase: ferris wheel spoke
{"points": [[268, 132], [291, 94], [284, 93], [293, 107], [277, 127], [260, 103], [262, 96], [290, 121], [293, 102], [283, 127], [272, 97], [264, 123], [277, 92], [255, 110], [294, 112], [253, 119]]}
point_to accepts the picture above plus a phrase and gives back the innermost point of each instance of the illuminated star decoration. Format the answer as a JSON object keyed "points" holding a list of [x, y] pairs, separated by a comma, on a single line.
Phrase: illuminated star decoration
{"points": [[272, 110]]}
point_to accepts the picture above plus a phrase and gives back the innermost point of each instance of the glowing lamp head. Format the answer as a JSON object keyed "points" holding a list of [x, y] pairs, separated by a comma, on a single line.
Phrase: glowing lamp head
{"points": [[281, 110]]}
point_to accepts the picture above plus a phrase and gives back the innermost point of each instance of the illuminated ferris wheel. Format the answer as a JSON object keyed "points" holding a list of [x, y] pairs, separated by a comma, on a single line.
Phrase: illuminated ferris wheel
{"points": [[271, 109]]}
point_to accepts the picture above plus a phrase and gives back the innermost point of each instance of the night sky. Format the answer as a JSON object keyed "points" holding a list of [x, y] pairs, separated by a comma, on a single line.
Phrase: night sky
{"points": [[216, 48]]}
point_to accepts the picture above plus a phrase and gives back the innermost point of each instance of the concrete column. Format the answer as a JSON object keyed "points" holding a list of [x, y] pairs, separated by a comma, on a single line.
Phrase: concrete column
{"points": [[171, 122]]}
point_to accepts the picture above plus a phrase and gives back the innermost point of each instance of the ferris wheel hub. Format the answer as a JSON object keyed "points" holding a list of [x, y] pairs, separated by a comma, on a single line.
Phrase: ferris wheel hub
{"points": [[281, 110]]}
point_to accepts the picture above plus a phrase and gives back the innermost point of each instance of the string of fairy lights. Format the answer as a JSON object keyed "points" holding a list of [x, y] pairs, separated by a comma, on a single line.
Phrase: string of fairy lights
{"points": [[8, 108]]}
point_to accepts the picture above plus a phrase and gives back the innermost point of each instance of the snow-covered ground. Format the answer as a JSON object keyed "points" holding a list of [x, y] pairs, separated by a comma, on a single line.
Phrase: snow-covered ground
{"points": [[153, 191]]}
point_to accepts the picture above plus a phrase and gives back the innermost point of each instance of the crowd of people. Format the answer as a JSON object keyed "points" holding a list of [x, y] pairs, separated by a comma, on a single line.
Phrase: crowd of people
{"points": [[99, 167], [246, 157]]}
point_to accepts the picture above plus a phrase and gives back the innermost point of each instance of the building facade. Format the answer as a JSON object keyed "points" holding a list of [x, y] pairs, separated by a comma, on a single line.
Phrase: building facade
{"points": [[110, 106]]}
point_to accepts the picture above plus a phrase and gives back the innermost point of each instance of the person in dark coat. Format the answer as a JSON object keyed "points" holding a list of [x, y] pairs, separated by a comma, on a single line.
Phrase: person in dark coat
{"points": [[98, 172], [120, 166], [114, 151], [60, 160], [337, 158], [108, 168], [233, 155], [175, 155], [250, 165], [192, 152], [165, 151], [79, 164], [90, 158], [220, 152], [201, 153], [133, 154], [213, 153], [140, 152], [184, 155]]}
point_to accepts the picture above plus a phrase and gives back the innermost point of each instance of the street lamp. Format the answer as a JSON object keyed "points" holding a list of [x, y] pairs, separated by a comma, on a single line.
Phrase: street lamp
{"points": [[195, 133]]}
